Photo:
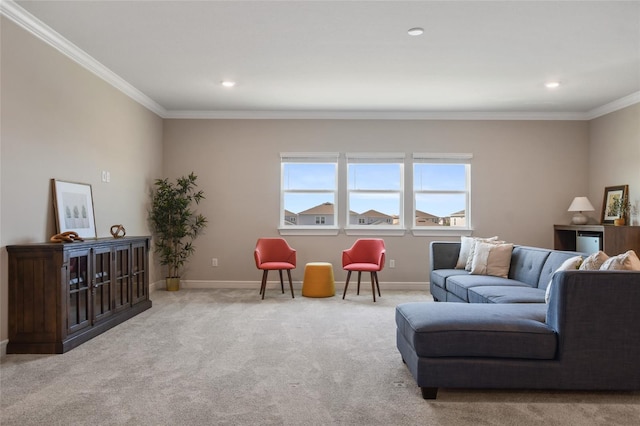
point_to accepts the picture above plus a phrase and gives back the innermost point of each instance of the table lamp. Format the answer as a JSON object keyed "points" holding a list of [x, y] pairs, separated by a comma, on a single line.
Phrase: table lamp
{"points": [[579, 205]]}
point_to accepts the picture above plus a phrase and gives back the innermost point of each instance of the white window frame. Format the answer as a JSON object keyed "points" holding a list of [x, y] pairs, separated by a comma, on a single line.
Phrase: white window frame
{"points": [[310, 158], [443, 158], [375, 158]]}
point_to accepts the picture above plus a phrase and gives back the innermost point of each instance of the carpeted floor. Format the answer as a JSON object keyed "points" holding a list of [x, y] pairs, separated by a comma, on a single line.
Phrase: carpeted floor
{"points": [[225, 357]]}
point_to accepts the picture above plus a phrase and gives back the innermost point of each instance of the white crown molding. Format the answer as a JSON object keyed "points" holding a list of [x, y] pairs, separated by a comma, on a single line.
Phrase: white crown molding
{"points": [[616, 105], [375, 115], [39, 29], [45, 33]]}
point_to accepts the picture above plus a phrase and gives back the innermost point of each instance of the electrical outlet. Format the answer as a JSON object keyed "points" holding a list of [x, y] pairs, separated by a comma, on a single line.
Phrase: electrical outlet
{"points": [[392, 263], [214, 262]]}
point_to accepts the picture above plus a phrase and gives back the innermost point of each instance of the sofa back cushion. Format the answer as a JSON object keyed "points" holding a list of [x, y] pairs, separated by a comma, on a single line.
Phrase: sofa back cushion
{"points": [[527, 263], [551, 265], [444, 254]]}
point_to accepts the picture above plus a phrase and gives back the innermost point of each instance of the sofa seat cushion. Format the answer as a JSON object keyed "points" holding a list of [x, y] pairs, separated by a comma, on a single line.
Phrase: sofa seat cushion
{"points": [[504, 294], [459, 285], [439, 276], [476, 330]]}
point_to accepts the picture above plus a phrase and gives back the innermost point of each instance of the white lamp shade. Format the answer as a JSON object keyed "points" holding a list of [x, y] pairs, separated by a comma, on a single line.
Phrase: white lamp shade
{"points": [[581, 204]]}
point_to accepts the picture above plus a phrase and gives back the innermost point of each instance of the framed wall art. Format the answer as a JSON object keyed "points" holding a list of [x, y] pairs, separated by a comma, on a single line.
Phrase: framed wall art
{"points": [[73, 204], [611, 194]]}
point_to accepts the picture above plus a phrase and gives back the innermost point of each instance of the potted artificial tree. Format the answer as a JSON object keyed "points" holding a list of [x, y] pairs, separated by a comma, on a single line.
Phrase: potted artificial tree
{"points": [[175, 224], [620, 207]]}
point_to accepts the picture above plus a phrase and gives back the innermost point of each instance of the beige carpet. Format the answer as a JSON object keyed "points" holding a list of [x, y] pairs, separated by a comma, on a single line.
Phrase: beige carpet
{"points": [[224, 357]]}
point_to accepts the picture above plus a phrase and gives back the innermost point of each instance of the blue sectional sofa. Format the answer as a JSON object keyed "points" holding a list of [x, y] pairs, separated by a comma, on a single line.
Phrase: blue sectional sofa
{"points": [[586, 338]]}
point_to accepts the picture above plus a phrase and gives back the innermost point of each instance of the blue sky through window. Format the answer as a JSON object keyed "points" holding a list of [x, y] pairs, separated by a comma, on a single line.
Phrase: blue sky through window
{"points": [[440, 177]]}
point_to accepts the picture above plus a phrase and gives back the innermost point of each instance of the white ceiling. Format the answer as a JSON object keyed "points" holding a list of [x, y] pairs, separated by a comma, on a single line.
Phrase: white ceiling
{"points": [[355, 57]]}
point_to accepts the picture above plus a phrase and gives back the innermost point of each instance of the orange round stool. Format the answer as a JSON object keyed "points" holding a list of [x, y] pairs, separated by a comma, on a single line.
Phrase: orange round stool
{"points": [[318, 280]]}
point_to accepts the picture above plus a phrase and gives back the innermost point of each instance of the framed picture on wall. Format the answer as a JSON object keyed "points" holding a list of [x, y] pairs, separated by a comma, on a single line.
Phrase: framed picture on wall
{"points": [[611, 194], [73, 205]]}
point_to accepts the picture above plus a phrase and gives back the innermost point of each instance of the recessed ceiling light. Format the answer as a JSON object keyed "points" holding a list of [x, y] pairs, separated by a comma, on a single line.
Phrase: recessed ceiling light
{"points": [[227, 83], [552, 84], [415, 31]]}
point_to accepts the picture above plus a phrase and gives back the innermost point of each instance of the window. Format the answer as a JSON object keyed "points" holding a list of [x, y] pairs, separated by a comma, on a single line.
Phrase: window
{"points": [[375, 189], [309, 187], [441, 190], [363, 193]]}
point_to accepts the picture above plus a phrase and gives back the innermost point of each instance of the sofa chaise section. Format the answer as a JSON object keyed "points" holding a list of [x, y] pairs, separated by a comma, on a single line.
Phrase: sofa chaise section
{"points": [[584, 339]]}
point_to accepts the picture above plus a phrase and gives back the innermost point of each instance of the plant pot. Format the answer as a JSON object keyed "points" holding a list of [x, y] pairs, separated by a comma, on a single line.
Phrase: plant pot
{"points": [[173, 284], [619, 221]]}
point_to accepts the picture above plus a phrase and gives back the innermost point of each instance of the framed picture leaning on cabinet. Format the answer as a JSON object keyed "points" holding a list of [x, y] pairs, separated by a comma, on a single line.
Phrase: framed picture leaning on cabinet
{"points": [[73, 205]]}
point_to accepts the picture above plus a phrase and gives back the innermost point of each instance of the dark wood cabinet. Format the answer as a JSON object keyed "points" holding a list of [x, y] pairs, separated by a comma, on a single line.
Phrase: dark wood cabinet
{"points": [[61, 295], [615, 239]]}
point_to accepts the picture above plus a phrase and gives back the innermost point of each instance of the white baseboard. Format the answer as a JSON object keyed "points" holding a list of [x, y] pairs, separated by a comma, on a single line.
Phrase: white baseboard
{"points": [[210, 284]]}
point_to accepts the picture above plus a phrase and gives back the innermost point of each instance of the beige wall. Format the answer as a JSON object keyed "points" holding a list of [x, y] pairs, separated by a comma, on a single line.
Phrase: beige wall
{"points": [[614, 151], [525, 174], [60, 121]]}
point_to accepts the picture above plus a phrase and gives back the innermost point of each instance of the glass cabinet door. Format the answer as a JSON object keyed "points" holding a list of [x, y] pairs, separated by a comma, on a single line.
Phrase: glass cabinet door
{"points": [[122, 294], [78, 291], [102, 285], [139, 273]]}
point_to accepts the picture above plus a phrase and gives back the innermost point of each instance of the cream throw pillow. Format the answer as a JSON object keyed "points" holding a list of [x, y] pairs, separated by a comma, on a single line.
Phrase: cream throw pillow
{"points": [[623, 262], [492, 259], [466, 245], [472, 251], [594, 261], [573, 263]]}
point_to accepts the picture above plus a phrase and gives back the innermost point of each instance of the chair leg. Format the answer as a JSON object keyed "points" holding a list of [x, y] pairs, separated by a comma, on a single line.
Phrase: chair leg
{"points": [[373, 286], [263, 286], [375, 275], [346, 284], [281, 281], [359, 275], [290, 283]]}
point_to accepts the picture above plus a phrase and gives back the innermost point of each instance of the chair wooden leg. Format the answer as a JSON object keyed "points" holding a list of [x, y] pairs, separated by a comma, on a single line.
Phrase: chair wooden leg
{"points": [[281, 281], [290, 283], [263, 286], [375, 275], [346, 284], [373, 286], [359, 275]]}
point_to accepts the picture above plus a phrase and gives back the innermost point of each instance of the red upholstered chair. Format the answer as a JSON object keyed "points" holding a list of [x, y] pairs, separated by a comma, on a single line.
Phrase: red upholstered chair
{"points": [[274, 254], [366, 255]]}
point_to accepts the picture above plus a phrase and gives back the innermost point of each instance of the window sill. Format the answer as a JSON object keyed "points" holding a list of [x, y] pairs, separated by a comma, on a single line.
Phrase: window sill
{"points": [[441, 232], [314, 230], [375, 231]]}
